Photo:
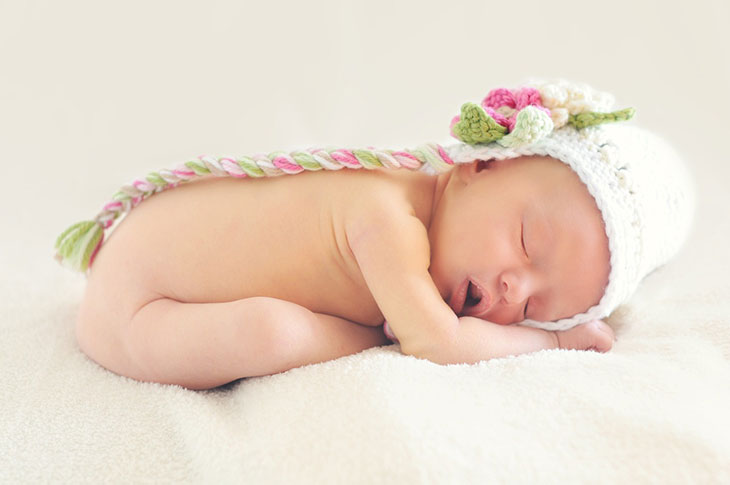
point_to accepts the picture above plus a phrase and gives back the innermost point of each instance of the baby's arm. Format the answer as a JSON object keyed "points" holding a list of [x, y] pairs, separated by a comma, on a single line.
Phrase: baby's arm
{"points": [[393, 255], [392, 252], [477, 338]]}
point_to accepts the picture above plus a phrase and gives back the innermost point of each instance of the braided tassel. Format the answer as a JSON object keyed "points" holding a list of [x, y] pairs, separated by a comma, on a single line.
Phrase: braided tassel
{"points": [[77, 245]]}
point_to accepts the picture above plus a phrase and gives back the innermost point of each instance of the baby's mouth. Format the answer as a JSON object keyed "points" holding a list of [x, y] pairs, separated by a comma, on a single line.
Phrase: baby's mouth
{"points": [[468, 299], [458, 296], [473, 295], [476, 302]]}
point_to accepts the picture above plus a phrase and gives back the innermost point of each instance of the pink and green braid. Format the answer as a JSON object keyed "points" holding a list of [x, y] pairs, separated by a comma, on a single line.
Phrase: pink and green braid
{"points": [[77, 245]]}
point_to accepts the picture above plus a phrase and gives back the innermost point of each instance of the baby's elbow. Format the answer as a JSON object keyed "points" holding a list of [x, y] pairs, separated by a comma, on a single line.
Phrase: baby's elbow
{"points": [[437, 355], [437, 349], [408, 347]]}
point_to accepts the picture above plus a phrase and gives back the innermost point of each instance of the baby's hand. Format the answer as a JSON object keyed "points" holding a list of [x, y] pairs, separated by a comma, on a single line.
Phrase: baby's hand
{"points": [[594, 335]]}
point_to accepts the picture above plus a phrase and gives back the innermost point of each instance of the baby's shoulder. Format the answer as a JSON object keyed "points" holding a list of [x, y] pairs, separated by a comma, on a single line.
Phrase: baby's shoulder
{"points": [[379, 196], [379, 207]]}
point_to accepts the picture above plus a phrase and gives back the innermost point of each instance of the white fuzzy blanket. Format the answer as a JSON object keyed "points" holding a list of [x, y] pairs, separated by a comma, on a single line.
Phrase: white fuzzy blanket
{"points": [[654, 409]]}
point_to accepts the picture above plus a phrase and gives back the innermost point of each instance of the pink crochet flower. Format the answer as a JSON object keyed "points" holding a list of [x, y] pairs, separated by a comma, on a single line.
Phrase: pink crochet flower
{"points": [[504, 105]]}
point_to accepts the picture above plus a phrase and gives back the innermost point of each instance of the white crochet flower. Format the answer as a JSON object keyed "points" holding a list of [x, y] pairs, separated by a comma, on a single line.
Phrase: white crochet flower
{"points": [[564, 98]]}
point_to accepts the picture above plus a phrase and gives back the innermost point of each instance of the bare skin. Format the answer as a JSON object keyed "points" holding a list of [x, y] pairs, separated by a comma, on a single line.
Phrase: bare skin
{"points": [[222, 279]]}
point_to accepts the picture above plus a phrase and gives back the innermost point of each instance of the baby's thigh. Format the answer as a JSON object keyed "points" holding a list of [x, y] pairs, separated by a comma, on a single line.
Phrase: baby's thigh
{"points": [[150, 337], [203, 345]]}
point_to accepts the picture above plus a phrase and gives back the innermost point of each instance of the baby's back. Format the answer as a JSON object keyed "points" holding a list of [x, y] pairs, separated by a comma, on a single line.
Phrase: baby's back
{"points": [[224, 239]]}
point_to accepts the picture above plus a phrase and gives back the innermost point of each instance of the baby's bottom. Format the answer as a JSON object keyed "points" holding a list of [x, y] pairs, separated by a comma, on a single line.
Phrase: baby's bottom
{"points": [[205, 345]]}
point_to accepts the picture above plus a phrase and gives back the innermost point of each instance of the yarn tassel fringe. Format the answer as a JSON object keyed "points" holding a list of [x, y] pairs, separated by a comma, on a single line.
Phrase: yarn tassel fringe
{"points": [[77, 245]]}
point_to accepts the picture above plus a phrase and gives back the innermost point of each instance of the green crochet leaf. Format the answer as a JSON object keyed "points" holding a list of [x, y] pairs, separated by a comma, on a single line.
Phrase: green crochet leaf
{"points": [[531, 125], [581, 120], [476, 126]]}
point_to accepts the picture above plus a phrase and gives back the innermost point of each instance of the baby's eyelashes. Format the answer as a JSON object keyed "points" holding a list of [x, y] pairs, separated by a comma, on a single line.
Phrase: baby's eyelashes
{"points": [[522, 238]]}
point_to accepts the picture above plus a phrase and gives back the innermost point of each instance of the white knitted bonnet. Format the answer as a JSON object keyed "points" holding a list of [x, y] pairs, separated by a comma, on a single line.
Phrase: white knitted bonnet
{"points": [[638, 181]]}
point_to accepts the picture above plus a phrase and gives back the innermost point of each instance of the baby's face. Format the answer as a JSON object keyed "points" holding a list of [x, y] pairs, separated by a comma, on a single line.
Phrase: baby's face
{"points": [[527, 232]]}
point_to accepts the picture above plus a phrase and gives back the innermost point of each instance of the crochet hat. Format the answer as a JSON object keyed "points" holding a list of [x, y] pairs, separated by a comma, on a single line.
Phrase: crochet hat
{"points": [[640, 185]]}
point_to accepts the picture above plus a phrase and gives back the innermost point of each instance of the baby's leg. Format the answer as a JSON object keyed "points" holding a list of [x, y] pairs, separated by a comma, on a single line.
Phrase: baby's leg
{"points": [[205, 345]]}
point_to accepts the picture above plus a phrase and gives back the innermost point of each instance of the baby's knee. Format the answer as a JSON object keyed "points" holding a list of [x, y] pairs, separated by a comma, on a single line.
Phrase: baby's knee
{"points": [[276, 325]]}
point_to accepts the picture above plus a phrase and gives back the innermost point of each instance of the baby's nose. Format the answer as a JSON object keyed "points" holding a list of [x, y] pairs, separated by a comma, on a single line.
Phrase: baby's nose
{"points": [[514, 287]]}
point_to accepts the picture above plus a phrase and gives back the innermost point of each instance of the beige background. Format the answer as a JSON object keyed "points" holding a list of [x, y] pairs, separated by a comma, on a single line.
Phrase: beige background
{"points": [[94, 94]]}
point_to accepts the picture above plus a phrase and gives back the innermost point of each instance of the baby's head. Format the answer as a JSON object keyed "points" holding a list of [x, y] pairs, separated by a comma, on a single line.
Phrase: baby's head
{"points": [[547, 213], [526, 233]]}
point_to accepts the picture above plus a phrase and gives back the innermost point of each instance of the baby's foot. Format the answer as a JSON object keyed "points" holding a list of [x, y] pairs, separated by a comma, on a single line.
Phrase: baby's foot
{"points": [[594, 335]]}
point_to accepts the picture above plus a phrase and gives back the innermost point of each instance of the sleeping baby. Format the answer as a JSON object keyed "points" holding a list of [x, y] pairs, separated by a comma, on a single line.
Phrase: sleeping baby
{"points": [[522, 236]]}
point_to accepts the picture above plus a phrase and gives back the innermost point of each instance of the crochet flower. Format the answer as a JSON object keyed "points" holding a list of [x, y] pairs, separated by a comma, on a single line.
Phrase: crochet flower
{"points": [[578, 104], [504, 105], [509, 117], [523, 116], [565, 98]]}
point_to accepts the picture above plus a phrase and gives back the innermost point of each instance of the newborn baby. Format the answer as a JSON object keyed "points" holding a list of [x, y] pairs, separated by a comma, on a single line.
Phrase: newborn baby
{"points": [[221, 279]]}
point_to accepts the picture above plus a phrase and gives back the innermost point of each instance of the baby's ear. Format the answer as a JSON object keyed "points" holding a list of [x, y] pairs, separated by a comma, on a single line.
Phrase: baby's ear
{"points": [[483, 165]]}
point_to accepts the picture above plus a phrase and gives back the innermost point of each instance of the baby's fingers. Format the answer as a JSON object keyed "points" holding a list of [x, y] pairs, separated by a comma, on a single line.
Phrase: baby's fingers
{"points": [[594, 335], [601, 334]]}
